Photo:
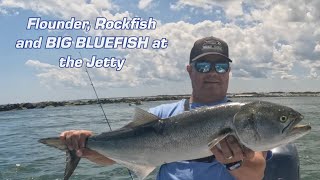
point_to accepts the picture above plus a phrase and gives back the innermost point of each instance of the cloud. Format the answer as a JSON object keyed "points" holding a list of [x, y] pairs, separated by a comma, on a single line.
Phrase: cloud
{"points": [[204, 4], [276, 35], [66, 9], [149, 66], [289, 77], [40, 66], [271, 38], [8, 12], [293, 28], [283, 59], [3, 11], [232, 8], [256, 52], [314, 67], [317, 48], [53, 76], [143, 4]]}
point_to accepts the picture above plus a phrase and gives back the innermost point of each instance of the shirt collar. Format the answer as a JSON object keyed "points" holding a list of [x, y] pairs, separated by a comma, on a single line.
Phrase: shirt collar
{"points": [[195, 105]]}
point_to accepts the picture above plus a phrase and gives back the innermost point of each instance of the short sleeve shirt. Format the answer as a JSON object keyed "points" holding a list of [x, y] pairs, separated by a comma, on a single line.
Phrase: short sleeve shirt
{"points": [[189, 170]]}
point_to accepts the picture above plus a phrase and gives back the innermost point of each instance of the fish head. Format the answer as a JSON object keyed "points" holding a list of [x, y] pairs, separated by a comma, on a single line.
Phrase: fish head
{"points": [[262, 125]]}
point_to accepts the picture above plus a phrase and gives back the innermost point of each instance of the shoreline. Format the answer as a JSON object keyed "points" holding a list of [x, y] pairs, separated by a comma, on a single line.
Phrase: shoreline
{"points": [[139, 100]]}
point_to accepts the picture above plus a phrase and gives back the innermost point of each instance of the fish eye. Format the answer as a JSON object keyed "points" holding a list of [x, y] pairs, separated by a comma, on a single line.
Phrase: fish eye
{"points": [[283, 119]]}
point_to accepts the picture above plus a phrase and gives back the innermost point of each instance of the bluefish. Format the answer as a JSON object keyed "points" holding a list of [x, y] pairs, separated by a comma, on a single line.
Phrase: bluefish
{"points": [[148, 141]]}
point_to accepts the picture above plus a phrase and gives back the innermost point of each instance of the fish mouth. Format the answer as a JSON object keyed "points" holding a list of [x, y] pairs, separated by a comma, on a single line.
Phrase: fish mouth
{"points": [[293, 126], [301, 128]]}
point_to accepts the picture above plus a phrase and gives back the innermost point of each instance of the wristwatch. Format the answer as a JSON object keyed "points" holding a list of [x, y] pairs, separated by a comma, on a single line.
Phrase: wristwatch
{"points": [[234, 165]]}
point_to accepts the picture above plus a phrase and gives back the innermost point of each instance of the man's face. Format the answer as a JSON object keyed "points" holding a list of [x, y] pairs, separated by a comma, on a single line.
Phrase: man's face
{"points": [[212, 84]]}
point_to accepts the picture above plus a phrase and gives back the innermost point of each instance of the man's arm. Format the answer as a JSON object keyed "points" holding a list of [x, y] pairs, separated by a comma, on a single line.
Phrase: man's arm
{"points": [[253, 163]]}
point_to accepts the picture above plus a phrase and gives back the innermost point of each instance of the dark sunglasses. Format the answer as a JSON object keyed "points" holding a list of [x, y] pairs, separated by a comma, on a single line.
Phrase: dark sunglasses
{"points": [[207, 66]]}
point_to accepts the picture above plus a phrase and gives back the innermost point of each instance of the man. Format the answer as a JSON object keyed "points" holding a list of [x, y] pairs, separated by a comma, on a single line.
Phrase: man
{"points": [[208, 68]]}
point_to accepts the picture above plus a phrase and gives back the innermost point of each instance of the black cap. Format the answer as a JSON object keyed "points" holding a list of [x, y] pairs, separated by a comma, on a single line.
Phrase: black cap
{"points": [[209, 45]]}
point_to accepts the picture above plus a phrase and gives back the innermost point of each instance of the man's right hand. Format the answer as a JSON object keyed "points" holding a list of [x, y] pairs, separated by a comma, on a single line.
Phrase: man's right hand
{"points": [[76, 140]]}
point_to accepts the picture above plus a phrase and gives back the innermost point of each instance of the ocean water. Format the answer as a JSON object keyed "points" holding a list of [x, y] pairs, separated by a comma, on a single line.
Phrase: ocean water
{"points": [[22, 157]]}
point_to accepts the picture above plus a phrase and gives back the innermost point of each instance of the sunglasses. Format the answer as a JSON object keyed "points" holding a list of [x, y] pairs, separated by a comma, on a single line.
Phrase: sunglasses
{"points": [[207, 66]]}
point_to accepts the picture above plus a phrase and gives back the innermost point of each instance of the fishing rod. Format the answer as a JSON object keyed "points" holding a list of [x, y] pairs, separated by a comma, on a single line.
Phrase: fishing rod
{"points": [[99, 102]]}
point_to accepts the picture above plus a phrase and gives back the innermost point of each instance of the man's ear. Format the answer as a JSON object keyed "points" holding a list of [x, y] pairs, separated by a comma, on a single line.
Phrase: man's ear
{"points": [[189, 69]]}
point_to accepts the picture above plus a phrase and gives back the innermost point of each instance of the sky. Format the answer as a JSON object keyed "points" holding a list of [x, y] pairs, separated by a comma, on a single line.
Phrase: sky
{"points": [[274, 45]]}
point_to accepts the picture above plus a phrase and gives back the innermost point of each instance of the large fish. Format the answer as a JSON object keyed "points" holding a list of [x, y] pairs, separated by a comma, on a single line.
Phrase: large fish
{"points": [[148, 141]]}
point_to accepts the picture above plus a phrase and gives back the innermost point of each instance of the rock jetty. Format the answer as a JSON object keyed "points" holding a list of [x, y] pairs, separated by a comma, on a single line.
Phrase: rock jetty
{"points": [[140, 100]]}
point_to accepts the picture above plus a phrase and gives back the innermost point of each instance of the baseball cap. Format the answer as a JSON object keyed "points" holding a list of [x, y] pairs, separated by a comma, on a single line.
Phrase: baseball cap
{"points": [[209, 45]]}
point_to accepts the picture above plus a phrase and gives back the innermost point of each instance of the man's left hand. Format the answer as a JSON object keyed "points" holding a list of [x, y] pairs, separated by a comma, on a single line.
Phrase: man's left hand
{"points": [[231, 151]]}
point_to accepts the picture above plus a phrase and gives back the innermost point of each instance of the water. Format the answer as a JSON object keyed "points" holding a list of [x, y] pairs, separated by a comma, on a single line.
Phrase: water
{"points": [[22, 157]]}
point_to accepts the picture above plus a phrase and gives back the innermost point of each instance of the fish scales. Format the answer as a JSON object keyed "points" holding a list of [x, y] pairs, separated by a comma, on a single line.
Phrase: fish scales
{"points": [[169, 139], [148, 141]]}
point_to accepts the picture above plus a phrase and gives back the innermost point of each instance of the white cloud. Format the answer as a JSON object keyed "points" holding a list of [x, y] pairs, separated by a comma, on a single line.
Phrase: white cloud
{"points": [[204, 4], [250, 55], [317, 48], [53, 76], [67, 9], [256, 52], [8, 12], [143, 4], [283, 59], [314, 67], [37, 64], [3, 11], [293, 24], [289, 77], [275, 36], [232, 8]]}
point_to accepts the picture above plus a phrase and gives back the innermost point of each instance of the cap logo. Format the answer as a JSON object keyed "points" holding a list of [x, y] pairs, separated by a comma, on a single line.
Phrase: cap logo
{"points": [[212, 45]]}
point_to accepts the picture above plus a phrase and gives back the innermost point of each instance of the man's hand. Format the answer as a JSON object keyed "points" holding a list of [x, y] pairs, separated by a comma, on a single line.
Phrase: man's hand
{"points": [[253, 164], [76, 140], [231, 151]]}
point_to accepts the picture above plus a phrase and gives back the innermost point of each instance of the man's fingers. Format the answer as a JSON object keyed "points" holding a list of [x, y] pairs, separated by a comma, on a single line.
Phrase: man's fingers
{"points": [[69, 140], [217, 152], [63, 137], [69, 144], [226, 151], [229, 151], [75, 139], [75, 142], [235, 147], [82, 142]]}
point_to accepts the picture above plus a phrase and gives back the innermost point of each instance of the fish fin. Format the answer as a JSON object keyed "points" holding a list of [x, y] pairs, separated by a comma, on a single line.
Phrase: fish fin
{"points": [[224, 133], [72, 161], [141, 117], [54, 142], [142, 171]]}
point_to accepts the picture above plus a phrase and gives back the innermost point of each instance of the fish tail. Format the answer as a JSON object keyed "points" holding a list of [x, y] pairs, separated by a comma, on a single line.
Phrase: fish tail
{"points": [[54, 142], [72, 159]]}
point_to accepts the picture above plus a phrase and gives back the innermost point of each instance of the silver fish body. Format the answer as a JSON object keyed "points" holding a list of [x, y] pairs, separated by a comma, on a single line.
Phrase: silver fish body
{"points": [[182, 137], [148, 141]]}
